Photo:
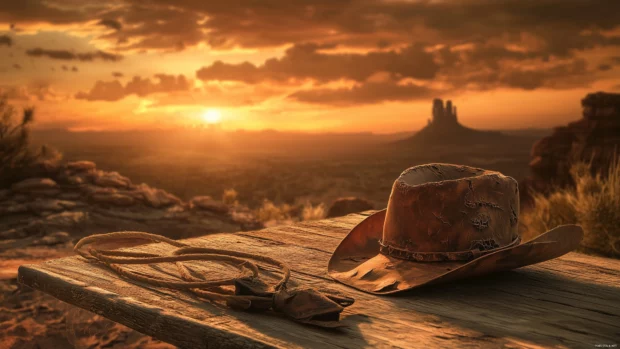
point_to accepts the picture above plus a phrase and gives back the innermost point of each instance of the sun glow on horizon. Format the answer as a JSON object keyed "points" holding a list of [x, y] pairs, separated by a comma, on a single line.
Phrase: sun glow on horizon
{"points": [[212, 116]]}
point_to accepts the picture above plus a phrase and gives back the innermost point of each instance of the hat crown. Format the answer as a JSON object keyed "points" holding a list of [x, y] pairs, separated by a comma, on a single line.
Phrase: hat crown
{"points": [[447, 212]]}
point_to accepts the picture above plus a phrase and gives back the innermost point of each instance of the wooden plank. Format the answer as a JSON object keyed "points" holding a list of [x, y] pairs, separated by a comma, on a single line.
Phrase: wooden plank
{"points": [[573, 301]]}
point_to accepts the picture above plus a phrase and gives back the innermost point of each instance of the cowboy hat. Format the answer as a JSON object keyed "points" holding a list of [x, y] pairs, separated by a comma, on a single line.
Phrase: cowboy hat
{"points": [[443, 222]]}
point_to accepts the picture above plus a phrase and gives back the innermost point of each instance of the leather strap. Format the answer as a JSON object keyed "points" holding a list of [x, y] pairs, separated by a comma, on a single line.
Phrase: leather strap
{"points": [[416, 256]]}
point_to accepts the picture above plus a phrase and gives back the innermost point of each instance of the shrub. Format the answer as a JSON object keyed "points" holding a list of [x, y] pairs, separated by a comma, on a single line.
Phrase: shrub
{"points": [[270, 212], [598, 208], [273, 214], [594, 204], [550, 211], [229, 197], [310, 212]]}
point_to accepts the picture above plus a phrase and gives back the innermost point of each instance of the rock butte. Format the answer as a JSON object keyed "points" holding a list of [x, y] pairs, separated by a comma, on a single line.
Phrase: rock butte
{"points": [[444, 129]]}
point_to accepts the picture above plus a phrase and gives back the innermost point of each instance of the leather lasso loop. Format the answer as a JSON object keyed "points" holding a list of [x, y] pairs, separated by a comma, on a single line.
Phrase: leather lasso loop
{"points": [[304, 305]]}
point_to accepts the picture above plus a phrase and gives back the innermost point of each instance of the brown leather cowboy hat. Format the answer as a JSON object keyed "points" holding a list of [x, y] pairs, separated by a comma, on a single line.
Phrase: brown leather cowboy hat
{"points": [[443, 222]]}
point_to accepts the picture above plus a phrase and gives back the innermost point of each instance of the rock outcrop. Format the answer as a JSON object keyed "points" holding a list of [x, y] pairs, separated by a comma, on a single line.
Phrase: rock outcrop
{"points": [[42, 217], [344, 206], [79, 199], [595, 138]]}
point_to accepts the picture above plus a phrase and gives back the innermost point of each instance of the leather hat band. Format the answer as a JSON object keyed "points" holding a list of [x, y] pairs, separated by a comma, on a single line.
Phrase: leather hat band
{"points": [[481, 248]]}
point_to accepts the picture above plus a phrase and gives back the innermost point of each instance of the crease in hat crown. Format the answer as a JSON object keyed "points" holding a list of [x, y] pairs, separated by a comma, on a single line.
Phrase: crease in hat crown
{"points": [[441, 212]]}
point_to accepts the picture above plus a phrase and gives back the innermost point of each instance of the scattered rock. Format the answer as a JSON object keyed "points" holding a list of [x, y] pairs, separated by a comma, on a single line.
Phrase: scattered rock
{"points": [[66, 219], [115, 199], [72, 196], [344, 206], [12, 234], [208, 204], [156, 197], [76, 180], [46, 167], [12, 207], [112, 179], [53, 239], [46, 205], [79, 200], [45, 192], [81, 166], [53, 205], [140, 216], [34, 185], [21, 198]]}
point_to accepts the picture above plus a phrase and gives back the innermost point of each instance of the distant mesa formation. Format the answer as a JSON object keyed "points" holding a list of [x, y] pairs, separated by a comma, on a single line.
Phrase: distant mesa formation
{"points": [[445, 129], [444, 117], [595, 137]]}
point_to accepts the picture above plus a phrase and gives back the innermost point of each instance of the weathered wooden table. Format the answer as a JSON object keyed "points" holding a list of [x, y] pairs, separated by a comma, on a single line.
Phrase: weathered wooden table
{"points": [[573, 301]]}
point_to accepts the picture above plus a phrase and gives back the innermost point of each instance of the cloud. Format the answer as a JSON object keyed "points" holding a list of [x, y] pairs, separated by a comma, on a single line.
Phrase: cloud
{"points": [[40, 92], [557, 27], [69, 55], [117, 74], [305, 61], [111, 23], [17, 66], [367, 93], [114, 90], [557, 76], [35, 12], [481, 66], [74, 69], [421, 45], [6, 40]]}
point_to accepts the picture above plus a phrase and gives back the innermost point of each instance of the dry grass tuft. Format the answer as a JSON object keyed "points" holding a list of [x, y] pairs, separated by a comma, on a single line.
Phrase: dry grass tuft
{"points": [[272, 214], [310, 212], [594, 204], [229, 197]]}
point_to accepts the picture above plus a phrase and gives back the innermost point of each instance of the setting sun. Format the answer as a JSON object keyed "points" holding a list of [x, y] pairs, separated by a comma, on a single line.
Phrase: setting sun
{"points": [[212, 116]]}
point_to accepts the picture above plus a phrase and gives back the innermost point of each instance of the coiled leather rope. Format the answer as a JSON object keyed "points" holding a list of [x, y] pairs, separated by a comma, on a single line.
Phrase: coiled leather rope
{"points": [[304, 305]]}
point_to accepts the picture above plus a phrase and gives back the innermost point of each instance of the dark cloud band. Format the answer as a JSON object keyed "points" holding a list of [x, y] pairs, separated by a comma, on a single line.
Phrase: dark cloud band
{"points": [[69, 55]]}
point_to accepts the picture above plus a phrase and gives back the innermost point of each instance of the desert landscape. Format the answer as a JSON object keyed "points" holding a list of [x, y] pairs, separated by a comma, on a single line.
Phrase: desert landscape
{"points": [[219, 182], [194, 118]]}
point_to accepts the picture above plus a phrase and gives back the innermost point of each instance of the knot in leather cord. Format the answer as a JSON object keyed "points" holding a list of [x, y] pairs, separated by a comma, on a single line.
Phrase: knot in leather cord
{"points": [[305, 305]]}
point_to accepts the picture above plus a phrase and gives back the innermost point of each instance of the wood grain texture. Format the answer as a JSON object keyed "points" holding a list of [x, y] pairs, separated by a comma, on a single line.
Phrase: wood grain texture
{"points": [[572, 301]]}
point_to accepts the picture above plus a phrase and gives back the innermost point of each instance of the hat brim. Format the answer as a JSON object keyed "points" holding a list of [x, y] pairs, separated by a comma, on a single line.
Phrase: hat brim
{"points": [[356, 262]]}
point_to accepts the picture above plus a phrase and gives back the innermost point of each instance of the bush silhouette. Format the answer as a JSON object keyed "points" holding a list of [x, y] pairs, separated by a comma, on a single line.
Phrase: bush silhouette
{"points": [[18, 159]]}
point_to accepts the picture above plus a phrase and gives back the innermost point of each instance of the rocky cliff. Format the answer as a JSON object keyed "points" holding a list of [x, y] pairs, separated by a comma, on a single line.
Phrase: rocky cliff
{"points": [[595, 137], [76, 199]]}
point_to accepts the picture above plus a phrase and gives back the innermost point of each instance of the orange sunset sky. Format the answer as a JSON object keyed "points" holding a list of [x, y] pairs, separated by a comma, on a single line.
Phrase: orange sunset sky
{"points": [[327, 65]]}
